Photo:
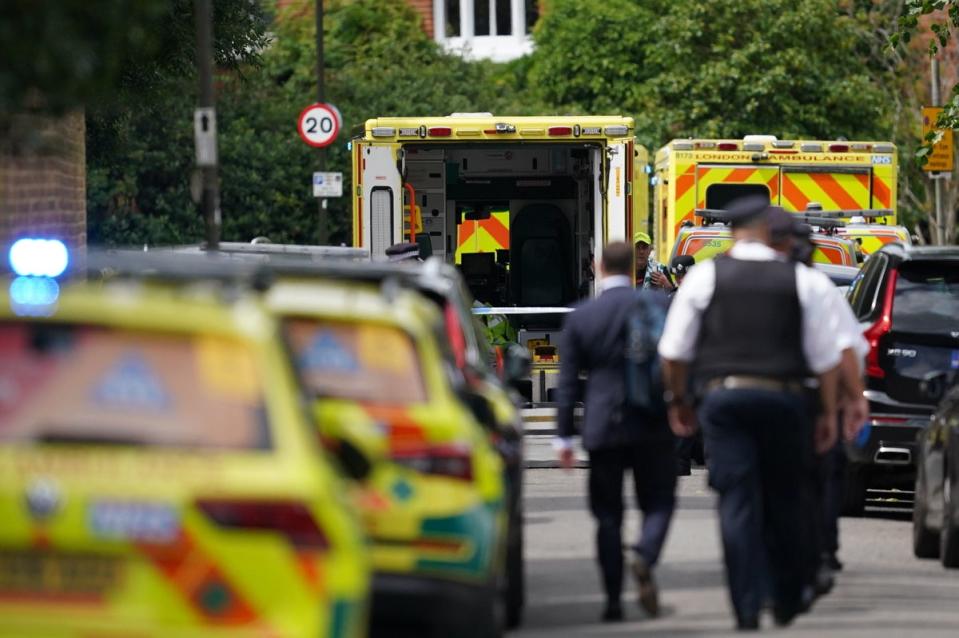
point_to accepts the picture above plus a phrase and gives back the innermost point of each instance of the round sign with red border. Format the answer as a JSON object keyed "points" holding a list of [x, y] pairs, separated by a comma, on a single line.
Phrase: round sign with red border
{"points": [[319, 124]]}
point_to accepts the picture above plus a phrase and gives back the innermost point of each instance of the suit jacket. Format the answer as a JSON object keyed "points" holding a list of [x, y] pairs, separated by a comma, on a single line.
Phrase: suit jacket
{"points": [[593, 341]]}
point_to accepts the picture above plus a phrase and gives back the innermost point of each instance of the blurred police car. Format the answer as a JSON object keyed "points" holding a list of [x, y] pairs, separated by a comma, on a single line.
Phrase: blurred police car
{"points": [[157, 475], [436, 512]]}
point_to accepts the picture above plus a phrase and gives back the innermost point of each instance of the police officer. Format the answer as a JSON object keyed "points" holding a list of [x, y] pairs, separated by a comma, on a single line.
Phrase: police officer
{"points": [[745, 325]]}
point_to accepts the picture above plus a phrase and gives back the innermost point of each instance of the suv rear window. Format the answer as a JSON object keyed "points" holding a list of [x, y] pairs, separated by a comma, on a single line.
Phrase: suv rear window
{"points": [[927, 298], [366, 362], [82, 384]]}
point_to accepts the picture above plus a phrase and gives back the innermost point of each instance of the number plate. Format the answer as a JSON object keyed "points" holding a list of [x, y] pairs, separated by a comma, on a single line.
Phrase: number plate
{"points": [[46, 574]]}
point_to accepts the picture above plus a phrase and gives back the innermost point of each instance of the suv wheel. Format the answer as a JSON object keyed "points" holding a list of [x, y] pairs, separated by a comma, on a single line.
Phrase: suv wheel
{"points": [[925, 542], [854, 490], [949, 539]]}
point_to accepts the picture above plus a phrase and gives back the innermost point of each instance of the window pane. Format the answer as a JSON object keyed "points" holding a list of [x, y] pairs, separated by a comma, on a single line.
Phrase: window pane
{"points": [[504, 17], [481, 17], [365, 362], [93, 385], [532, 14], [452, 18], [927, 298]]}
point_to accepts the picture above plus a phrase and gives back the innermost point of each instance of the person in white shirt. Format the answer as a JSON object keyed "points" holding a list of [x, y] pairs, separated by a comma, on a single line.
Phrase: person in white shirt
{"points": [[745, 330]]}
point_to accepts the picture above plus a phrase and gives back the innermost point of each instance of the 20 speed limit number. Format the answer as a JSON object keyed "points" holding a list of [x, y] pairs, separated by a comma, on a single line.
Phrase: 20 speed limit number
{"points": [[319, 125]]}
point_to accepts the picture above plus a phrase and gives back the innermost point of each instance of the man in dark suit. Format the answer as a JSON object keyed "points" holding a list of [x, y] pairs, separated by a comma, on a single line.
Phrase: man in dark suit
{"points": [[615, 435]]}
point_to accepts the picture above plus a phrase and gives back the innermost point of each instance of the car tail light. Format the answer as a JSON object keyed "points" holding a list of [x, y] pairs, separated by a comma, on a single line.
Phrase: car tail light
{"points": [[287, 518], [838, 148], [882, 326], [560, 130], [442, 460], [440, 131]]}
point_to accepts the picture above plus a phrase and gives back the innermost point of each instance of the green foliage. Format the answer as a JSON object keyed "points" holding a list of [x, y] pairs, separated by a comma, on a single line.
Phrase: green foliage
{"points": [[378, 62], [941, 26], [71, 53], [711, 69]]}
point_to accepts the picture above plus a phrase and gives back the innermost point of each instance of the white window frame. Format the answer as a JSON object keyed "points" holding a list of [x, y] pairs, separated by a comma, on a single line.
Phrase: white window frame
{"points": [[499, 47]]}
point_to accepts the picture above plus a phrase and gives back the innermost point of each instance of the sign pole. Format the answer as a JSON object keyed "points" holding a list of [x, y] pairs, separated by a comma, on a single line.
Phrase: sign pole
{"points": [[205, 124], [940, 236], [323, 230]]}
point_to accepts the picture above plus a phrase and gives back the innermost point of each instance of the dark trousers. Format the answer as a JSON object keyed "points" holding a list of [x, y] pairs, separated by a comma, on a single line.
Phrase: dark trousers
{"points": [[833, 467], [758, 444], [653, 465]]}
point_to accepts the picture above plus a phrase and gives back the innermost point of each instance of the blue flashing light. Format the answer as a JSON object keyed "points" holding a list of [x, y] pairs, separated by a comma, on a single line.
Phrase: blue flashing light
{"points": [[34, 296], [39, 257]]}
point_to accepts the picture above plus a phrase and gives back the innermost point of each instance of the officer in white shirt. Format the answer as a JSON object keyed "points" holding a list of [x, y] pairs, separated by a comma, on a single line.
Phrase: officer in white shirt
{"points": [[745, 330]]}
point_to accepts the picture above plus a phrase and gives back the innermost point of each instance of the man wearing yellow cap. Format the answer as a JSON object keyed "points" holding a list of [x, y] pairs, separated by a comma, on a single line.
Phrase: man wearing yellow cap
{"points": [[648, 274]]}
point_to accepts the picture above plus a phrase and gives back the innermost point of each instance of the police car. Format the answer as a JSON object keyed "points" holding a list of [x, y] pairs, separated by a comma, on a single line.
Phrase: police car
{"points": [[437, 511], [157, 474]]}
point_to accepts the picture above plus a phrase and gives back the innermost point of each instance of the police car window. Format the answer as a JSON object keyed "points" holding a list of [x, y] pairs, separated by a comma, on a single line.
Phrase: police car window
{"points": [[927, 298], [95, 385], [366, 362]]}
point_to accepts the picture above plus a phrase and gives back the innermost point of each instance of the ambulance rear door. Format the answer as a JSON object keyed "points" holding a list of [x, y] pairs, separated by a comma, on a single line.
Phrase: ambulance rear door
{"points": [[382, 197], [833, 187]]}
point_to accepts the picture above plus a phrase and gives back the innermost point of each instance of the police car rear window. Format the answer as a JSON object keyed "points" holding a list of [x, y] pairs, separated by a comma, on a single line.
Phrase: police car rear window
{"points": [[366, 362], [927, 298], [77, 384]]}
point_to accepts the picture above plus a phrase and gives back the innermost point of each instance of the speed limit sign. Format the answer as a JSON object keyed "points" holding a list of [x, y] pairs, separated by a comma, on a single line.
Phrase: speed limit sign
{"points": [[319, 124]]}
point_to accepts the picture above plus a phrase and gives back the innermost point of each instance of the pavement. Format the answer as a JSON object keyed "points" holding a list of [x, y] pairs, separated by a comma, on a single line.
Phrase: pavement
{"points": [[883, 591]]}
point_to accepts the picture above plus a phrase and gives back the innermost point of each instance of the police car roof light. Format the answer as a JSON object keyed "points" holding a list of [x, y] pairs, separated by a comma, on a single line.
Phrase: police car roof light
{"points": [[39, 257]]}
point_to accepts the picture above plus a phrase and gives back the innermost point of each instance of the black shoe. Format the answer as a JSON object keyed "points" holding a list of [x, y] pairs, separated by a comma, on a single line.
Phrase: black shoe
{"points": [[824, 581], [750, 623], [646, 584], [832, 562], [613, 612], [784, 616]]}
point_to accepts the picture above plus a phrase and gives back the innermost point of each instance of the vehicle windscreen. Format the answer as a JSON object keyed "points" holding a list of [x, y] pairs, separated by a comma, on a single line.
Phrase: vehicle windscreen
{"points": [[703, 248], [927, 298], [81, 384], [366, 362]]}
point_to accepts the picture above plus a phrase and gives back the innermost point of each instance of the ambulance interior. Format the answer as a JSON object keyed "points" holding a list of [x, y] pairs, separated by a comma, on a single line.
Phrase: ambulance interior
{"points": [[518, 222]]}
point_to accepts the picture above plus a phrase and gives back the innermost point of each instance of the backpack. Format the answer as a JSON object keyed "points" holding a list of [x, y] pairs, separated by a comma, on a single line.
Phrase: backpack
{"points": [[643, 372]]}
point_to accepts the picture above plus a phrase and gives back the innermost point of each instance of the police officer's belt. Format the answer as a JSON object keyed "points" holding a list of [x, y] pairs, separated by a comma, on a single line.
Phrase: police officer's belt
{"points": [[742, 382]]}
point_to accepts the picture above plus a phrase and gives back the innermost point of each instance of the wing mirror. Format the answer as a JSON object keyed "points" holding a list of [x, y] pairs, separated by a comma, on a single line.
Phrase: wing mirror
{"points": [[481, 409], [351, 436], [517, 364]]}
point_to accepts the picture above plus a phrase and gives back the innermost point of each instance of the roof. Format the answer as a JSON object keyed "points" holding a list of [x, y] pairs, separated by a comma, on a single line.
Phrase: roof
{"points": [[347, 301], [922, 253], [471, 127]]}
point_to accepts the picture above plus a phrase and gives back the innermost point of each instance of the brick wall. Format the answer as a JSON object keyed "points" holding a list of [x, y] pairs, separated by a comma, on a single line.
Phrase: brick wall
{"points": [[425, 9], [43, 180]]}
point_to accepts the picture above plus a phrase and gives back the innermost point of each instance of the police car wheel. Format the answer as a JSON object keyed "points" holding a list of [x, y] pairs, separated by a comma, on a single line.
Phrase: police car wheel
{"points": [[514, 596]]}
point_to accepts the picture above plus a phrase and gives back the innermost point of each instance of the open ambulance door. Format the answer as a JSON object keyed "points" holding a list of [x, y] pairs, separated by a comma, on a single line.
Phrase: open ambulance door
{"points": [[639, 195], [380, 203]]}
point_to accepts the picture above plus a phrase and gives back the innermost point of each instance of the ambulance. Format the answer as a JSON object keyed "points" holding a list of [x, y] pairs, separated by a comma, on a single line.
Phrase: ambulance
{"points": [[523, 206], [857, 179]]}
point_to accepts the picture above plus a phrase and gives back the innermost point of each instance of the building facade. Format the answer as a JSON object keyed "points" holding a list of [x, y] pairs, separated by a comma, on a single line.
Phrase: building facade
{"points": [[496, 30]]}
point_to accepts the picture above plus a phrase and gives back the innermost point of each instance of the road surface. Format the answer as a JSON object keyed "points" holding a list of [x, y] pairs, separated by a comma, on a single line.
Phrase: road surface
{"points": [[883, 591]]}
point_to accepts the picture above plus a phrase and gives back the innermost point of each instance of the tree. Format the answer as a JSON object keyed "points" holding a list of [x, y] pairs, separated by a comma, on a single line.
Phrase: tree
{"points": [[74, 53], [379, 61], [711, 69]]}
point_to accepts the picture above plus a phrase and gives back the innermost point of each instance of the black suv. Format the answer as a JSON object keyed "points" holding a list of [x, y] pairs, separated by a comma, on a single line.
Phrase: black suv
{"points": [[907, 300]]}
